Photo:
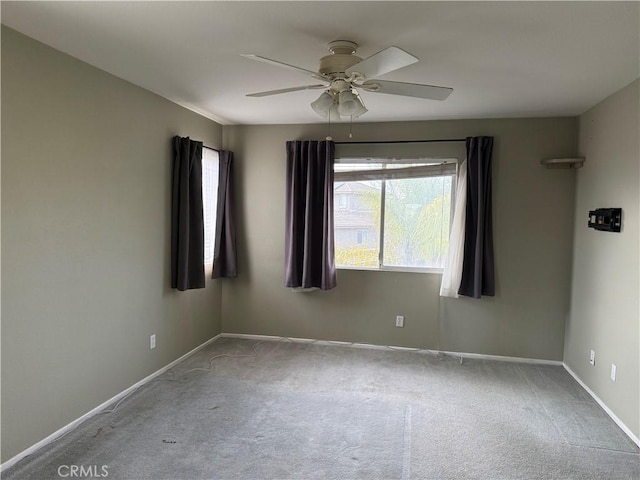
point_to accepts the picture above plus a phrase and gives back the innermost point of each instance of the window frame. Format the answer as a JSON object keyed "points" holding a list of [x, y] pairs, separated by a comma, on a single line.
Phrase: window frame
{"points": [[434, 164]]}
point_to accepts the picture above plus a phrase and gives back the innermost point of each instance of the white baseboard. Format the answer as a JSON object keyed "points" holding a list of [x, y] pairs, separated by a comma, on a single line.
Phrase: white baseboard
{"points": [[272, 338], [67, 428], [478, 356], [608, 411], [501, 358]]}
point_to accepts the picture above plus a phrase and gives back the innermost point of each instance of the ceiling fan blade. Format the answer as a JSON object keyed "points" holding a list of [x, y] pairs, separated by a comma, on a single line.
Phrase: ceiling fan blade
{"points": [[429, 92], [385, 61], [283, 65], [284, 90]]}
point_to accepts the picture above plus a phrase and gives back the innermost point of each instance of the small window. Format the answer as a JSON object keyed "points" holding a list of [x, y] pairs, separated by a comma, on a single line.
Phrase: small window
{"points": [[398, 217], [210, 165]]}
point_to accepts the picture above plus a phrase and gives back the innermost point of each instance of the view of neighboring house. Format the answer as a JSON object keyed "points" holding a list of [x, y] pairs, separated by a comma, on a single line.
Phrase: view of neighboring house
{"points": [[356, 223]]}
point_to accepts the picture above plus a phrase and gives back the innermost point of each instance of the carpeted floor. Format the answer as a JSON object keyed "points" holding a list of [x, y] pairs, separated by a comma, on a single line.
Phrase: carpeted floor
{"points": [[304, 411]]}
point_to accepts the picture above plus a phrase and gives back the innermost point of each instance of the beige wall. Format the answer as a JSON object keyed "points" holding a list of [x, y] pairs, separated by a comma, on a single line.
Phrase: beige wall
{"points": [[85, 221], [605, 315], [533, 216]]}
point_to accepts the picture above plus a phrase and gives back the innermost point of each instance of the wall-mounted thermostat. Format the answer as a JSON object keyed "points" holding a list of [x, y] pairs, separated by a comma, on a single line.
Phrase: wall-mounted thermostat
{"points": [[606, 219]]}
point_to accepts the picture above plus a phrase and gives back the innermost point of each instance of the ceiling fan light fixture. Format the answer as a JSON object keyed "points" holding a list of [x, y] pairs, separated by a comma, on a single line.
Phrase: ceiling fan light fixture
{"points": [[322, 106], [347, 103], [361, 110]]}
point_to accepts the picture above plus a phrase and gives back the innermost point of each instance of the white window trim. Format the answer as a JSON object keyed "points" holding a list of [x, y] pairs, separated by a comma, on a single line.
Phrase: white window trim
{"points": [[386, 268], [439, 167]]}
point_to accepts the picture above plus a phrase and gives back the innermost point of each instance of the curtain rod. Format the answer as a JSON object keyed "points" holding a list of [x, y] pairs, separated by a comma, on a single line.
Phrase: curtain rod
{"points": [[404, 141], [211, 148]]}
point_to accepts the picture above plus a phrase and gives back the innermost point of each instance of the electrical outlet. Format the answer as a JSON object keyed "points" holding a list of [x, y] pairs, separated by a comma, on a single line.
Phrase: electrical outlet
{"points": [[399, 321], [613, 372], [152, 342], [592, 357]]}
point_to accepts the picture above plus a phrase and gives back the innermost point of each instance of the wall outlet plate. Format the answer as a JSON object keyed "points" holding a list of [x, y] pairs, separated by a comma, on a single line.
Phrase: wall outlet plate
{"points": [[613, 372], [399, 321], [152, 342], [592, 357]]}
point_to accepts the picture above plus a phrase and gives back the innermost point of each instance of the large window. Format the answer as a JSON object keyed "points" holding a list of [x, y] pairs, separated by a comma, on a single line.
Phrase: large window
{"points": [[392, 214], [210, 165]]}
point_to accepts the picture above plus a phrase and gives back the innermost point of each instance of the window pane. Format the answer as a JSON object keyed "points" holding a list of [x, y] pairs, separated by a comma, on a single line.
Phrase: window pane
{"points": [[357, 224], [210, 163], [416, 222]]}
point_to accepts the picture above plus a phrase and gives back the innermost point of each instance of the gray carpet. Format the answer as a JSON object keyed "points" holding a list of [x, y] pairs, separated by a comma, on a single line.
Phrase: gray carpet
{"points": [[305, 411]]}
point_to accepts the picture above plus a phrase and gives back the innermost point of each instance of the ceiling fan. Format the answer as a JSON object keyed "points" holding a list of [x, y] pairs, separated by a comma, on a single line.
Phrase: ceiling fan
{"points": [[343, 73]]}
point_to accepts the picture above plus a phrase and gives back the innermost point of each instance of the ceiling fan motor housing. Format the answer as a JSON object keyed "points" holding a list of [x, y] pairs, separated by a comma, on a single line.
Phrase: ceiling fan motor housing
{"points": [[341, 58]]}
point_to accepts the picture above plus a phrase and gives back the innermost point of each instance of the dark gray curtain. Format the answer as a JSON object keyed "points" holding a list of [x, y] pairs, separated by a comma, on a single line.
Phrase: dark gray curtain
{"points": [[477, 267], [224, 255], [187, 225], [309, 251]]}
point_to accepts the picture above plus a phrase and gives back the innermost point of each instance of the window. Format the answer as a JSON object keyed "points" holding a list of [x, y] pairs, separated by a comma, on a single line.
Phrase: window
{"points": [[210, 165], [398, 215]]}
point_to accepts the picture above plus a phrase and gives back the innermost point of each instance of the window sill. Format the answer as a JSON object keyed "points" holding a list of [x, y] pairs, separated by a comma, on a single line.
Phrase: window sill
{"points": [[393, 269]]}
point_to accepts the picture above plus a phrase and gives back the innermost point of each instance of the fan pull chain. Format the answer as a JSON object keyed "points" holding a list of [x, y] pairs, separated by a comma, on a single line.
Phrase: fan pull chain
{"points": [[350, 126]]}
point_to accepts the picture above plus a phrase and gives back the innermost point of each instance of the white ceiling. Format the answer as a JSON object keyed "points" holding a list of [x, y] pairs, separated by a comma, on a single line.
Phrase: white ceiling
{"points": [[503, 59]]}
